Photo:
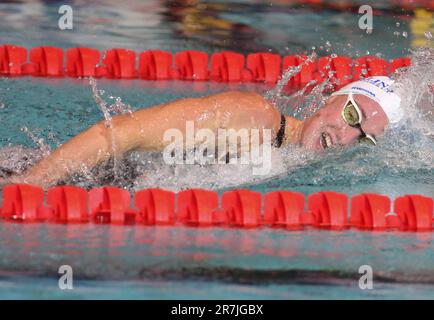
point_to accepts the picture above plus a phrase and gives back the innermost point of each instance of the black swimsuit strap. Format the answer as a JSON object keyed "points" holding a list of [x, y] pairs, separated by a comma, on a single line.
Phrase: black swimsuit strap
{"points": [[281, 133]]}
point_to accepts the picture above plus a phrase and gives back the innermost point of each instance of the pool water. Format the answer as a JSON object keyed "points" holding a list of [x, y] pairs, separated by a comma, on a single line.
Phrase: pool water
{"points": [[180, 262]]}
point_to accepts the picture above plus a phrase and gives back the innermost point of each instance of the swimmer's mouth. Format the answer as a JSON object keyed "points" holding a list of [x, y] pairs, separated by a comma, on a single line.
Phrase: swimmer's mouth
{"points": [[326, 140]]}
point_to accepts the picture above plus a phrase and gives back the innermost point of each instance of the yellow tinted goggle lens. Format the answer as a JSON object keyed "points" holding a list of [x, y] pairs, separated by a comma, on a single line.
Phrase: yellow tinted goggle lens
{"points": [[351, 115], [367, 140]]}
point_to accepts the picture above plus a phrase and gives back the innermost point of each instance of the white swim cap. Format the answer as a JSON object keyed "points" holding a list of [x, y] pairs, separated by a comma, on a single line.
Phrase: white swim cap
{"points": [[380, 89]]}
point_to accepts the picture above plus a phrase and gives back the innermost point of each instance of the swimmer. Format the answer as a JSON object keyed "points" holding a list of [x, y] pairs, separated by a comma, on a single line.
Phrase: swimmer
{"points": [[359, 112]]}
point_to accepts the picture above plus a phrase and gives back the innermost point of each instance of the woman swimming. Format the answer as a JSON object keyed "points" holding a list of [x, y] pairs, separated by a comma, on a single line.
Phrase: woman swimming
{"points": [[359, 112]]}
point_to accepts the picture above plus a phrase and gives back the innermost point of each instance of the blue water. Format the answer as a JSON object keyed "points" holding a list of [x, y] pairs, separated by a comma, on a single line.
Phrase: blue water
{"points": [[177, 263]]}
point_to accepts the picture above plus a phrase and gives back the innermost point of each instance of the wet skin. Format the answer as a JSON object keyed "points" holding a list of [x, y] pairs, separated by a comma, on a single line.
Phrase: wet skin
{"points": [[329, 120], [145, 128]]}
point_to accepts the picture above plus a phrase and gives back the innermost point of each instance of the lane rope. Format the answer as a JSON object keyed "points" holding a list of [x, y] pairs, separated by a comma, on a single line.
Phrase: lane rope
{"points": [[199, 207], [189, 65]]}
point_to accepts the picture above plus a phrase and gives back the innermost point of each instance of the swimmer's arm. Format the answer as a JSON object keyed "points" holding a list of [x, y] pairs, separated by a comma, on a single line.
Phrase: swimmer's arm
{"points": [[87, 149], [143, 130]]}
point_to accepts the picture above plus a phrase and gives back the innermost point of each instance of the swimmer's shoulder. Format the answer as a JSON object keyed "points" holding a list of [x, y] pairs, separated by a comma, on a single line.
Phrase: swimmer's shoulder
{"points": [[240, 99], [228, 101]]}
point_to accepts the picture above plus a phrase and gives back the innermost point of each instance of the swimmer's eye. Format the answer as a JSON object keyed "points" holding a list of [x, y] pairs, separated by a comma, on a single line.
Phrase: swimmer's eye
{"points": [[351, 115]]}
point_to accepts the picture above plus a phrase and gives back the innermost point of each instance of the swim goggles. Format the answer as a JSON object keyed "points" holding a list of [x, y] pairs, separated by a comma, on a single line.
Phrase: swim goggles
{"points": [[353, 116]]}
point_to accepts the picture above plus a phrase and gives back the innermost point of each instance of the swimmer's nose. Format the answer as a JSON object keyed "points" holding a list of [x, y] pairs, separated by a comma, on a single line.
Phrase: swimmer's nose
{"points": [[347, 135]]}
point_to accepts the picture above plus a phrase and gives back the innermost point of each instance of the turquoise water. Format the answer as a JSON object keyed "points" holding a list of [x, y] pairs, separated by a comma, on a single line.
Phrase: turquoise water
{"points": [[178, 262], [155, 263], [37, 288]]}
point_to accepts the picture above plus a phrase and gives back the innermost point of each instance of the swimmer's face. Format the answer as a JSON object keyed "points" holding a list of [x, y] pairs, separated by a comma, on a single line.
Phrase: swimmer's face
{"points": [[327, 128]]}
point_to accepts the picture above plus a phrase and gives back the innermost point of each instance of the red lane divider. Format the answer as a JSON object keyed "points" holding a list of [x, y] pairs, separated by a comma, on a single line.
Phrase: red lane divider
{"points": [[369, 211], [155, 65], [45, 62], [369, 66], [192, 65], [415, 212], [329, 209], [338, 69], [118, 64], [399, 63], [21, 202], [243, 207], [12, 58], [285, 208], [82, 62], [308, 71], [198, 207], [228, 66], [264, 67], [156, 206], [67, 204], [110, 205]]}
